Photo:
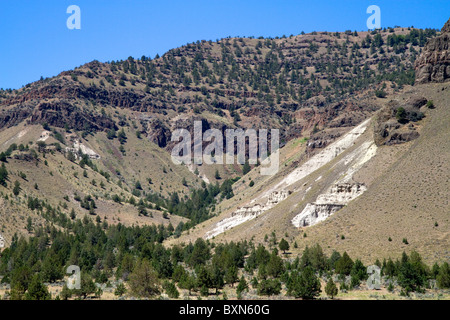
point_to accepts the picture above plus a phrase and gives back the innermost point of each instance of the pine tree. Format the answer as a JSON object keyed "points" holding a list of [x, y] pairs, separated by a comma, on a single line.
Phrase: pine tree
{"points": [[243, 285], [275, 265], [344, 264], [37, 290], [231, 275], [144, 280], [331, 289], [305, 284], [358, 273], [284, 245]]}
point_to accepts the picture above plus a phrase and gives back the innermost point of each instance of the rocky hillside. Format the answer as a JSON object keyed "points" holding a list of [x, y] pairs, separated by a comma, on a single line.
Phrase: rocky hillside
{"points": [[93, 142], [433, 64], [294, 83], [375, 191]]}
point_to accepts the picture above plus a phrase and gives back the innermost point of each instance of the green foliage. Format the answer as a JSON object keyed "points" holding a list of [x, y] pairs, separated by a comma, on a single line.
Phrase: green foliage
{"points": [[71, 156], [3, 175], [58, 136], [111, 134], [200, 253], [344, 265], [412, 273], [269, 287], [358, 273], [121, 136], [400, 114], [144, 280], [171, 289], [380, 93], [304, 284], [331, 289], [242, 286], [226, 189], [314, 257], [41, 146], [274, 266], [443, 277], [37, 290], [16, 189], [283, 245], [246, 168]]}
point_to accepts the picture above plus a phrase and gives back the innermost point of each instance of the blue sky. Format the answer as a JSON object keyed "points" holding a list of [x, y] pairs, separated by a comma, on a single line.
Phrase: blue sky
{"points": [[35, 40]]}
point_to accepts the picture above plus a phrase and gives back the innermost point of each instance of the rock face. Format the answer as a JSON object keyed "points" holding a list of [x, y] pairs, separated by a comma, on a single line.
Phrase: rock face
{"points": [[327, 204], [341, 193], [315, 213], [61, 113], [433, 65]]}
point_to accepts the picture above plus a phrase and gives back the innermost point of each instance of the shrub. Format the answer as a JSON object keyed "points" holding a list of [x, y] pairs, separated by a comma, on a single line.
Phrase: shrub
{"points": [[16, 189], [380, 94], [401, 115]]}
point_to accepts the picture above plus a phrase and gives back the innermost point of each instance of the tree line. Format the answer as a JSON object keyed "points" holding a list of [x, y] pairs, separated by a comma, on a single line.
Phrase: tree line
{"points": [[136, 255]]}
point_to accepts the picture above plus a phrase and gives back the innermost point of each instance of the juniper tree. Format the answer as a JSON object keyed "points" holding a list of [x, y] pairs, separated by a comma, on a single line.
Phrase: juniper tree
{"points": [[331, 289], [144, 280], [3, 175], [37, 290], [243, 285], [284, 245], [16, 189]]}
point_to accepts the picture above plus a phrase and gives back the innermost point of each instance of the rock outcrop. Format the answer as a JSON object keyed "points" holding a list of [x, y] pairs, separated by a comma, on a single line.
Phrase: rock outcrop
{"points": [[246, 213], [328, 203], [80, 147], [315, 213], [395, 127], [433, 65], [61, 113]]}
